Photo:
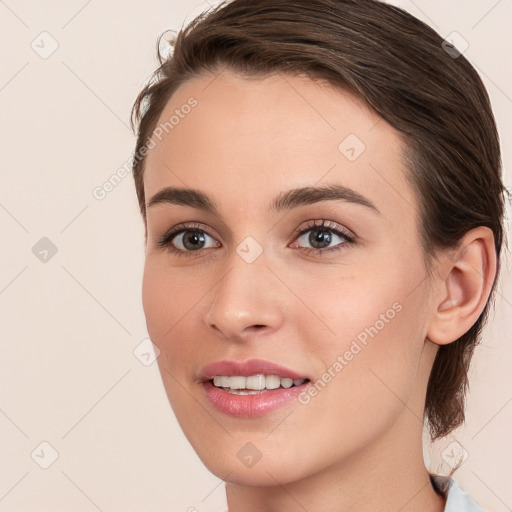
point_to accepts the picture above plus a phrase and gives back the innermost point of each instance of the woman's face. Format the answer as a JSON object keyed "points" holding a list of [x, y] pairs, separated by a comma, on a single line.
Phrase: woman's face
{"points": [[250, 276]]}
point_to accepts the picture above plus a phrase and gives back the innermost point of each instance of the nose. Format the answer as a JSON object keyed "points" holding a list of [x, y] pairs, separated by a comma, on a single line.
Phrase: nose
{"points": [[246, 301]]}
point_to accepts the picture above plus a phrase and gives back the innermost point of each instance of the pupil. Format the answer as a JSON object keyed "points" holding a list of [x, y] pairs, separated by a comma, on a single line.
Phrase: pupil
{"points": [[317, 238], [193, 239]]}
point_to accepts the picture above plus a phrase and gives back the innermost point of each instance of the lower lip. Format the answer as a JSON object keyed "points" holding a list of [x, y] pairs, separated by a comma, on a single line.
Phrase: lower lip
{"points": [[250, 405]]}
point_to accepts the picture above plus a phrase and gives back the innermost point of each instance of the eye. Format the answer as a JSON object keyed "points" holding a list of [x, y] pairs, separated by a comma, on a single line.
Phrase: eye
{"points": [[185, 239], [324, 237], [191, 238]]}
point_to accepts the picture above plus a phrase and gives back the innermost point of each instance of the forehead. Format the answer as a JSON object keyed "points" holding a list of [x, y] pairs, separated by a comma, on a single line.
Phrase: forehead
{"points": [[251, 138]]}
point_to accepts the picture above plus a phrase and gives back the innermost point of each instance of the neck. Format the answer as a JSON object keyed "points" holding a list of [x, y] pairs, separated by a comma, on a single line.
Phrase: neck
{"points": [[388, 475]]}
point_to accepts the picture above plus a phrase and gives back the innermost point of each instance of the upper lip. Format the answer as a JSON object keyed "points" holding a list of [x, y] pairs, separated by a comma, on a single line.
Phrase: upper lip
{"points": [[247, 368]]}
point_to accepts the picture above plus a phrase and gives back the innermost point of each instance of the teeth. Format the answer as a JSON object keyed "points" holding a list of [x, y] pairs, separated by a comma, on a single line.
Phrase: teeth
{"points": [[221, 382], [272, 382], [287, 383], [254, 382], [237, 382]]}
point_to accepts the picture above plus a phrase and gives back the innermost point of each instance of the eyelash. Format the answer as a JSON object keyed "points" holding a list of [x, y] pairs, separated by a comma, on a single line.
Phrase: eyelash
{"points": [[166, 240]]}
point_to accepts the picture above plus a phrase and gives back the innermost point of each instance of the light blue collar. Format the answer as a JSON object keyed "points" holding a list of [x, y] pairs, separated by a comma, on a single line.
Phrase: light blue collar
{"points": [[457, 500]]}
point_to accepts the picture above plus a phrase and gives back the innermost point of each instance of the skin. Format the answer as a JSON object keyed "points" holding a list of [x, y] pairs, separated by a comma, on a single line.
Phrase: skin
{"points": [[357, 444]]}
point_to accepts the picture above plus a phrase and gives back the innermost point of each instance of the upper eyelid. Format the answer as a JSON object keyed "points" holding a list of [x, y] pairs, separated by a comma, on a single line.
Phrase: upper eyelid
{"points": [[327, 224], [184, 226]]}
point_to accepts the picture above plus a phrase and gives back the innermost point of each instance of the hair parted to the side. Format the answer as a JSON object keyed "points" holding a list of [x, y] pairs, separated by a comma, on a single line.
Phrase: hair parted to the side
{"points": [[397, 65]]}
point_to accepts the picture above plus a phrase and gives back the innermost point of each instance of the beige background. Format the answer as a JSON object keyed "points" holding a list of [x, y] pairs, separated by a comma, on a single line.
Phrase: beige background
{"points": [[70, 325]]}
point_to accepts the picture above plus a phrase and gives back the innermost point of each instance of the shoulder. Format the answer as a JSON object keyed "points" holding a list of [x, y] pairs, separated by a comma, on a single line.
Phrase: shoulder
{"points": [[457, 500]]}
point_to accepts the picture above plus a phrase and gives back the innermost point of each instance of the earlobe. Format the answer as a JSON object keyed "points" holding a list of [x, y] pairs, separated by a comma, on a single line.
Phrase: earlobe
{"points": [[469, 275]]}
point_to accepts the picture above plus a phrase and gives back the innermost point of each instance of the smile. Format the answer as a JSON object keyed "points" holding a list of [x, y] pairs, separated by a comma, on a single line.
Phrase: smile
{"points": [[253, 384], [250, 388]]}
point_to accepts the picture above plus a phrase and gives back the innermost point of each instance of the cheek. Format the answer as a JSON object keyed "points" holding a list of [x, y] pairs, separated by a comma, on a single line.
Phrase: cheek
{"points": [[155, 301], [367, 332], [342, 307], [166, 303], [368, 374], [166, 297], [374, 297]]}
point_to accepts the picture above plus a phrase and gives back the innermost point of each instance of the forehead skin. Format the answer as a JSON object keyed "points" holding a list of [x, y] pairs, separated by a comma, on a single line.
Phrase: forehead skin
{"points": [[247, 140]]}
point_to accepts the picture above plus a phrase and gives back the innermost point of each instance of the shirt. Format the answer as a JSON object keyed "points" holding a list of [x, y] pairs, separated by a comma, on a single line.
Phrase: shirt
{"points": [[457, 500]]}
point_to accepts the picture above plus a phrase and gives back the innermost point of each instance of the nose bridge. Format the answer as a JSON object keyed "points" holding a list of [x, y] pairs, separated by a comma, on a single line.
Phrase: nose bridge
{"points": [[245, 297]]}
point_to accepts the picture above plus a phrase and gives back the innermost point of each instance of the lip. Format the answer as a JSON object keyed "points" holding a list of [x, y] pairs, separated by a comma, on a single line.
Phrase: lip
{"points": [[249, 405], [246, 369]]}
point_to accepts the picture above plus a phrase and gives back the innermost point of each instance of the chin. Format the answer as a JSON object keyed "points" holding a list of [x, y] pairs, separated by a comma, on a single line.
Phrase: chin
{"points": [[261, 474], [248, 460]]}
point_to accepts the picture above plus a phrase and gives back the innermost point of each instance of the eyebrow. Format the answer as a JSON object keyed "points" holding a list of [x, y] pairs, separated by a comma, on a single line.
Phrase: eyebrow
{"points": [[285, 201]]}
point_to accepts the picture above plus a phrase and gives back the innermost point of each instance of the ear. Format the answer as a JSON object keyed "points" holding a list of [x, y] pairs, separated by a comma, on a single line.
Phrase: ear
{"points": [[469, 273]]}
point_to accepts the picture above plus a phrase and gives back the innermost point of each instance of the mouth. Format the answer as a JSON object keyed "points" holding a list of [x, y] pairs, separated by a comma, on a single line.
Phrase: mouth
{"points": [[250, 388], [254, 384]]}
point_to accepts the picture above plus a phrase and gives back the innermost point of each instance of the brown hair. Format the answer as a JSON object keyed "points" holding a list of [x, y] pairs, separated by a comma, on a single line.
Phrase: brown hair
{"points": [[405, 72]]}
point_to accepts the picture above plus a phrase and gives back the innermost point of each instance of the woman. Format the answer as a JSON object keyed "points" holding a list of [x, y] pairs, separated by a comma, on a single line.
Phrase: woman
{"points": [[321, 188]]}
